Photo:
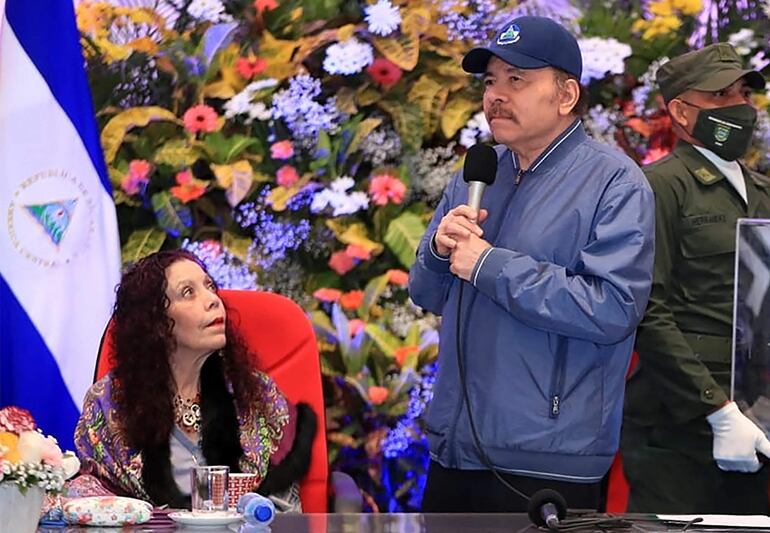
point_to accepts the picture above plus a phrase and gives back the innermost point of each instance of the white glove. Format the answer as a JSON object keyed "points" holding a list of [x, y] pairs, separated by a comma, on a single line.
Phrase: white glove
{"points": [[737, 440]]}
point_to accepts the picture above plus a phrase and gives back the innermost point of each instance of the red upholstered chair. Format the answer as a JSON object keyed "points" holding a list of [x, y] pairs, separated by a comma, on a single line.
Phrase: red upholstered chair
{"points": [[278, 330]]}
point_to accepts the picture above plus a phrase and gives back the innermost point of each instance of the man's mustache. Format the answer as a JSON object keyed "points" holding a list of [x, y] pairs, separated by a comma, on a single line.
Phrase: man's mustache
{"points": [[498, 112]]}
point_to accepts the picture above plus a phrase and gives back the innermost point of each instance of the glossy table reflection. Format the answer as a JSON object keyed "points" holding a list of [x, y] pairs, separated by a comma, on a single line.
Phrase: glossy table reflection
{"points": [[373, 523]]}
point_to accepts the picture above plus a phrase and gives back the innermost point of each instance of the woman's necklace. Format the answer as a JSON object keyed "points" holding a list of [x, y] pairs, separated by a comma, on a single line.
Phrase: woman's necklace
{"points": [[187, 413]]}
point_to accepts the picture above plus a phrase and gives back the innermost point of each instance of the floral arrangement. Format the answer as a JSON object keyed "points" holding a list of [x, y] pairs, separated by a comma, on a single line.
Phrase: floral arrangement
{"points": [[301, 147], [28, 458]]}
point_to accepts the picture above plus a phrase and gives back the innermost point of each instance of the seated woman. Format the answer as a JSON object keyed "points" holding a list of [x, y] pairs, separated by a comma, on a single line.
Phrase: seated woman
{"points": [[185, 391]]}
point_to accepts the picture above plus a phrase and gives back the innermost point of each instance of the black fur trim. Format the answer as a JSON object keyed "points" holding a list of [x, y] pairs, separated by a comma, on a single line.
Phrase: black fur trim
{"points": [[297, 462], [158, 479], [220, 441]]}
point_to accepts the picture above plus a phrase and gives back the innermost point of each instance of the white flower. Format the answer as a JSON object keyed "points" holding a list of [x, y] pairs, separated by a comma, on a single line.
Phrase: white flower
{"points": [[31, 446], [70, 465], [602, 56], [342, 184], [743, 41], [476, 129], [208, 11], [242, 104], [383, 17], [348, 57]]}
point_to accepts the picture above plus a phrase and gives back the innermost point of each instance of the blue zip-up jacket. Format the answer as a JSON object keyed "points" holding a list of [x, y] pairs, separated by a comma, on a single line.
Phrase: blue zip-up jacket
{"points": [[550, 317]]}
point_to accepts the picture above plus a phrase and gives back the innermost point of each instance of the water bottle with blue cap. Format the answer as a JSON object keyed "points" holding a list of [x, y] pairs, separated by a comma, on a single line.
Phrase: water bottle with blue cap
{"points": [[256, 509]]}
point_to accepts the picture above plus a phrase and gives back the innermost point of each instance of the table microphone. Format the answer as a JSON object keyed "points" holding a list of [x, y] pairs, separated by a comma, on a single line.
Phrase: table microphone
{"points": [[479, 170], [546, 508]]}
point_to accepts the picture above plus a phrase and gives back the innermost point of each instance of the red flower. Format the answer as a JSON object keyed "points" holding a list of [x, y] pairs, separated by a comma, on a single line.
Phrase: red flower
{"points": [[287, 176], [404, 352], [352, 300], [358, 252], [265, 5], [384, 72], [377, 395], [386, 188], [250, 67]]}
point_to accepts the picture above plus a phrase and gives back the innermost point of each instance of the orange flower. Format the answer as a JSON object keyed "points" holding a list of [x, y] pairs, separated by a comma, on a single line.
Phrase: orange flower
{"points": [[398, 277], [200, 118], [377, 395], [341, 263], [248, 67], [404, 352], [188, 188], [352, 300], [265, 5], [358, 252], [327, 295], [9, 447]]}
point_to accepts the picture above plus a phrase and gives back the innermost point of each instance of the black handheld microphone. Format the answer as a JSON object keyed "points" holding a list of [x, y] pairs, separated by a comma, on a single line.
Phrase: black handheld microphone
{"points": [[546, 508], [479, 170]]}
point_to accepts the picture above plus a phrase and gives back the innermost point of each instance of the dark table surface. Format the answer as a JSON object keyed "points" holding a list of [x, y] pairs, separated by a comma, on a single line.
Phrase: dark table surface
{"points": [[391, 523]]}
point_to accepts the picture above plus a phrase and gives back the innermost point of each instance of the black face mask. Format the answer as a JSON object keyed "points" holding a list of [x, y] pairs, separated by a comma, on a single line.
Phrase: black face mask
{"points": [[726, 131]]}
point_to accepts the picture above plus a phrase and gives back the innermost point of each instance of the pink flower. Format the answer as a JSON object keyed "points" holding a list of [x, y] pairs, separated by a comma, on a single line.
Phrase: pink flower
{"points": [[327, 295], [358, 252], [341, 263], [287, 176], [385, 188], [355, 326], [282, 150], [265, 5], [138, 174], [200, 118], [398, 277], [377, 395]]}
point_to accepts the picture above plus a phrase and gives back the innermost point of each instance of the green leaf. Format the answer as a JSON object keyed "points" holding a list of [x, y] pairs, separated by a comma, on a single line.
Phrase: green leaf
{"points": [[175, 153], [384, 340], [237, 245], [407, 119], [413, 336], [223, 150], [142, 243], [174, 217], [403, 236], [372, 293], [323, 324]]}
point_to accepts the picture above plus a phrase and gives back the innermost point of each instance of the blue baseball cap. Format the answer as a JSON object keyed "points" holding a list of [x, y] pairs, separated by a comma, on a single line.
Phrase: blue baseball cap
{"points": [[529, 42]]}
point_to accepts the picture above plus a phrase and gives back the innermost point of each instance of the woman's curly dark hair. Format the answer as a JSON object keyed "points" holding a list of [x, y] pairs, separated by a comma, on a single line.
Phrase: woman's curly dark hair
{"points": [[143, 341]]}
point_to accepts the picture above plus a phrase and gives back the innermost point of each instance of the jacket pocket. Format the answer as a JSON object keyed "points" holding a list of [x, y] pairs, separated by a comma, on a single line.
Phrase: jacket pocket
{"points": [[708, 239]]}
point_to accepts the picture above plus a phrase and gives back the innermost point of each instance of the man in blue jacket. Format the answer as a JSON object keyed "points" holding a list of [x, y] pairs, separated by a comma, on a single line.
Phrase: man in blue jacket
{"points": [[556, 269]]}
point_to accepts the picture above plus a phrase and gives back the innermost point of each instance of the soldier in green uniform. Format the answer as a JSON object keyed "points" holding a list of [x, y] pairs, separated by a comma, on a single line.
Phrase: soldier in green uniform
{"points": [[687, 448]]}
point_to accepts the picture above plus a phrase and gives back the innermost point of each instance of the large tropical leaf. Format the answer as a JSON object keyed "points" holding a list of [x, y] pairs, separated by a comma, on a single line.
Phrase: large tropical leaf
{"points": [[456, 115], [354, 234], [366, 126], [372, 293], [403, 50], [174, 217], [115, 130], [403, 236], [142, 243], [387, 342], [176, 153], [431, 96], [408, 121]]}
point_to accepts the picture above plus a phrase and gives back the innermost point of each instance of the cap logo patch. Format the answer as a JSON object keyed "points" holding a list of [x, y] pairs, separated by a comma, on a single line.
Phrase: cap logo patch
{"points": [[510, 36]]}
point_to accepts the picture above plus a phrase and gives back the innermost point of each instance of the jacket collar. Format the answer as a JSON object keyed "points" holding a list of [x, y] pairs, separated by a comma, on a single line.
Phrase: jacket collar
{"points": [[699, 166], [562, 144]]}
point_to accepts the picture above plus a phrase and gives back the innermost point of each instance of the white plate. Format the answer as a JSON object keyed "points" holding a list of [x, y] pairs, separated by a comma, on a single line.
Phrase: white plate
{"points": [[218, 518]]}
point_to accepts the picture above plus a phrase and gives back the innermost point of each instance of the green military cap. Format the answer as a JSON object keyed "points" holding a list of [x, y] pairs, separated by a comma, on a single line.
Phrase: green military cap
{"points": [[711, 68]]}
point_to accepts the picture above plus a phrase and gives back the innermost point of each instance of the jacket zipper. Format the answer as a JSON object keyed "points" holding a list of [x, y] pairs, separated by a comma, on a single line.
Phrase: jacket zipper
{"points": [[557, 378]]}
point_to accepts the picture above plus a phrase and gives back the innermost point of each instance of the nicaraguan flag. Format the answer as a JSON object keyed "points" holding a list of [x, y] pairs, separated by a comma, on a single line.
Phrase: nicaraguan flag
{"points": [[59, 246]]}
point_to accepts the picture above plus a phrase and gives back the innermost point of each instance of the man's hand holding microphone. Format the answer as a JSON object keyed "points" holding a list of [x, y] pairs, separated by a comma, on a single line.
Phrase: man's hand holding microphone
{"points": [[458, 235]]}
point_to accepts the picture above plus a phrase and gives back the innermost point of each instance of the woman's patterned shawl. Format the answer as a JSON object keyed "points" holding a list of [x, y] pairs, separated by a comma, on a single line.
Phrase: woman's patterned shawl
{"points": [[266, 435]]}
